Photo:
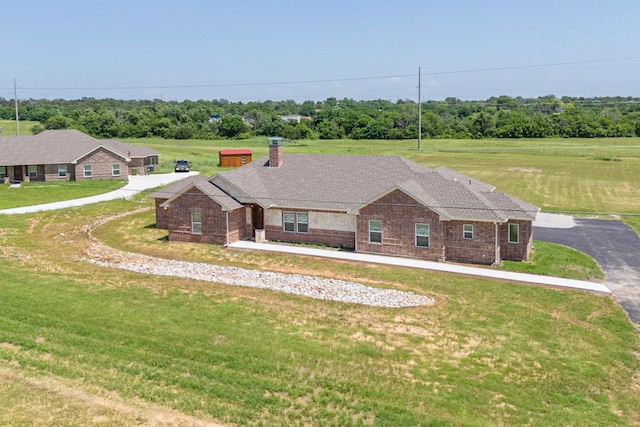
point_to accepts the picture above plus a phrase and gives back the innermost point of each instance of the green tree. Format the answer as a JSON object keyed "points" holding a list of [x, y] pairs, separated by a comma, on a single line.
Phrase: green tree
{"points": [[231, 126]]}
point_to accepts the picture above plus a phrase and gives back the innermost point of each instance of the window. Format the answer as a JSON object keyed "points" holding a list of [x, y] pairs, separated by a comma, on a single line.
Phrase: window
{"points": [[62, 171], [302, 222], [87, 171], [514, 233], [115, 169], [243, 159], [375, 231], [288, 219], [467, 231], [33, 172], [153, 160], [3, 171], [422, 235], [293, 222], [196, 223]]}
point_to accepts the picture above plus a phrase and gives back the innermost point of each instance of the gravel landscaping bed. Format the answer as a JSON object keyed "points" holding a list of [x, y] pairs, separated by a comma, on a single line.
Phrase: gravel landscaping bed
{"points": [[297, 284]]}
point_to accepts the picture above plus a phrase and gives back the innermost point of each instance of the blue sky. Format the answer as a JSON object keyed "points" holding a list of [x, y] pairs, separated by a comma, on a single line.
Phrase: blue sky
{"points": [[259, 50]]}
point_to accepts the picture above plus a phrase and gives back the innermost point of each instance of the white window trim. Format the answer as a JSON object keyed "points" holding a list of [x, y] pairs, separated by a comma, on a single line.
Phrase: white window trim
{"points": [[113, 169], [465, 231], [3, 171], [428, 235], [298, 222], [375, 231], [293, 221], [90, 171], [35, 173], [517, 233], [64, 172], [195, 222]]}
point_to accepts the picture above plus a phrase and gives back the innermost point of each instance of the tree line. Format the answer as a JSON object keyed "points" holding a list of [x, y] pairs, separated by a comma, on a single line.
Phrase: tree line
{"points": [[496, 117]]}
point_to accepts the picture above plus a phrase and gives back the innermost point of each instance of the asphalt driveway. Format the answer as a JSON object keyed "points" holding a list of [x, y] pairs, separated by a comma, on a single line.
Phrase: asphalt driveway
{"points": [[612, 243]]}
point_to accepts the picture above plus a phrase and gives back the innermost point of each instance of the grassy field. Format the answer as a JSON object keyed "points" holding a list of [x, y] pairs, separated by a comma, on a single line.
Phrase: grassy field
{"points": [[9, 127], [33, 193], [81, 344]]}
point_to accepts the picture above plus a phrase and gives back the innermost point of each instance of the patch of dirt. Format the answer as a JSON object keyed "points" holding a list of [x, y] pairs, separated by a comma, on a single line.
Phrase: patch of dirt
{"points": [[144, 413], [526, 170]]}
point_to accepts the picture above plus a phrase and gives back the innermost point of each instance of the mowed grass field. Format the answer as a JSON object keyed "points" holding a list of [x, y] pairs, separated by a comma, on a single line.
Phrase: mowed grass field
{"points": [[82, 344]]}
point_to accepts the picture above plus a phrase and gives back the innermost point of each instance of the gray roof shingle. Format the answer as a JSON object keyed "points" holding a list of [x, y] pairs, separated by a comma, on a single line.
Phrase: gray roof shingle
{"points": [[347, 183], [59, 147], [200, 182]]}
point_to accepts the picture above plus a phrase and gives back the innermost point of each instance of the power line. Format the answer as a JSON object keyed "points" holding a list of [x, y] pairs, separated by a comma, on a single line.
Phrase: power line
{"points": [[293, 82]]}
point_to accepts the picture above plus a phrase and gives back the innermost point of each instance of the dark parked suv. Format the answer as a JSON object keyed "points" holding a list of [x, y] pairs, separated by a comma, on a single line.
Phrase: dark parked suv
{"points": [[182, 166]]}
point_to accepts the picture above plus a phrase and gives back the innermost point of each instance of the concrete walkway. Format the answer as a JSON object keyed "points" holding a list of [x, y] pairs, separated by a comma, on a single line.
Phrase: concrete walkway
{"points": [[136, 184], [427, 265]]}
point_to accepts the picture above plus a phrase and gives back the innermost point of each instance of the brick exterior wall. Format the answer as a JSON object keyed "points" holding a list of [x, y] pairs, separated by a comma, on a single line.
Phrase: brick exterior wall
{"points": [[480, 249], [399, 213], [51, 173], [214, 220], [162, 215], [516, 251], [101, 162], [237, 226], [341, 239]]}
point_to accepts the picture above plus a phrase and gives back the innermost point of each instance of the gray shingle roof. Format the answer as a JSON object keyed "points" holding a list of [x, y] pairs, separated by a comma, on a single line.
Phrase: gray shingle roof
{"points": [[347, 183], [202, 183], [59, 147]]}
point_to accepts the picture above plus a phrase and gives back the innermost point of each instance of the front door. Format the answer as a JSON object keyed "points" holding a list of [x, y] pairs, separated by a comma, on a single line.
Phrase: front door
{"points": [[17, 173], [257, 214]]}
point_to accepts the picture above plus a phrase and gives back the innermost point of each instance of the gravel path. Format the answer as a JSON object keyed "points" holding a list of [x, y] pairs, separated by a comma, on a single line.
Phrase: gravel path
{"points": [[297, 284]]}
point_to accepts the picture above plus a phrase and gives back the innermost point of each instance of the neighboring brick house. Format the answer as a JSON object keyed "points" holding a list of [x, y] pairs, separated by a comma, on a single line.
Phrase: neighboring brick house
{"points": [[70, 155], [372, 204]]}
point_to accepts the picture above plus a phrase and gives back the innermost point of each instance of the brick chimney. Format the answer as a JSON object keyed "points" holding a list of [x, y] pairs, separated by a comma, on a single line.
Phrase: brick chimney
{"points": [[275, 152]]}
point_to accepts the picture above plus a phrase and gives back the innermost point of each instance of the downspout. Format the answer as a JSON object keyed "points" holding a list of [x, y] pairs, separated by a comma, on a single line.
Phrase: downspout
{"points": [[356, 234], [495, 253], [227, 233]]}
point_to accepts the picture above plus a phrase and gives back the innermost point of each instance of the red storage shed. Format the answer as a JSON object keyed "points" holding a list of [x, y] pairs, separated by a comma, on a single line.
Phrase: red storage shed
{"points": [[234, 158]]}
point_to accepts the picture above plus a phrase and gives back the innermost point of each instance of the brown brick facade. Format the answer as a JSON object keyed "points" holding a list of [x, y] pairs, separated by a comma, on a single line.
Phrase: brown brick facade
{"points": [[101, 162], [214, 220], [480, 249], [399, 214], [516, 251], [314, 235], [162, 215]]}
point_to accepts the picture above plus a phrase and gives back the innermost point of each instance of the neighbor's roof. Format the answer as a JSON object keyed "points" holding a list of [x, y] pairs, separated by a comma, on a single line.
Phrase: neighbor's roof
{"points": [[347, 183], [60, 147], [234, 152]]}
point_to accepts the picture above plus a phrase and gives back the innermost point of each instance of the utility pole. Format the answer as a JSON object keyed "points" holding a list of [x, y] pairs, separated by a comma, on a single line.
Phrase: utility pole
{"points": [[419, 112], [15, 99]]}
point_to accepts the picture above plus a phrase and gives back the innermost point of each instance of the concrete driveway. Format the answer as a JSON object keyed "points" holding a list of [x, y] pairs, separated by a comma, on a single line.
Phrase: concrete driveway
{"points": [[612, 243], [136, 184]]}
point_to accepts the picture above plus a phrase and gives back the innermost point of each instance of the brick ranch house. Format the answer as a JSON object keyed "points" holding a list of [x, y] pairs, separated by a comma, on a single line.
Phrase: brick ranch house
{"points": [[373, 204], [70, 155]]}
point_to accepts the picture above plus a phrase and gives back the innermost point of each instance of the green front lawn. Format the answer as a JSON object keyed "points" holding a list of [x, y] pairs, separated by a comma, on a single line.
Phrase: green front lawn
{"points": [[35, 193], [488, 353]]}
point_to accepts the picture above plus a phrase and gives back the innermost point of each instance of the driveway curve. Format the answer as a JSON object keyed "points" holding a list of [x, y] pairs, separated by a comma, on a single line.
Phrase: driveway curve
{"points": [[612, 243], [136, 184]]}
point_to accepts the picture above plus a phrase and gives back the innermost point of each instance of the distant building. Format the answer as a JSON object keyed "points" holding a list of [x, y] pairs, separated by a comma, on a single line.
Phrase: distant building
{"points": [[234, 158], [70, 155]]}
